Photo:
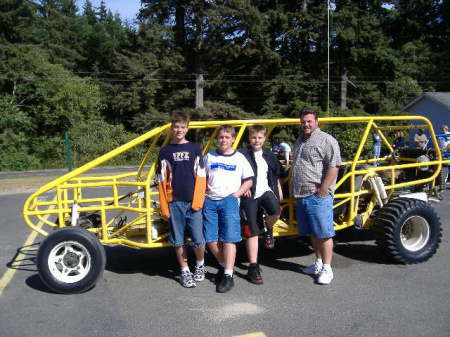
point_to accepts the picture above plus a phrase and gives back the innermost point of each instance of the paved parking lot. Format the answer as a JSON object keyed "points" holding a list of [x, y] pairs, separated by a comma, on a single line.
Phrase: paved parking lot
{"points": [[138, 295]]}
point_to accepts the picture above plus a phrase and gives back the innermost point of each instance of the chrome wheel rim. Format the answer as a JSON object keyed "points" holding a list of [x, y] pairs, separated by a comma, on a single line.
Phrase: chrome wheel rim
{"points": [[415, 233], [69, 262]]}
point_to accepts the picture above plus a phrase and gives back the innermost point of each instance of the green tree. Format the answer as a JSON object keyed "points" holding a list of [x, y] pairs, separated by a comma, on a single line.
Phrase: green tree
{"points": [[17, 18], [95, 137], [46, 98]]}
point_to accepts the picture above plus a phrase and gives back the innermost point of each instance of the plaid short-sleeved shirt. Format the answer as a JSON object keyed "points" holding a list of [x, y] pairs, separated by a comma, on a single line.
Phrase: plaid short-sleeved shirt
{"points": [[311, 160]]}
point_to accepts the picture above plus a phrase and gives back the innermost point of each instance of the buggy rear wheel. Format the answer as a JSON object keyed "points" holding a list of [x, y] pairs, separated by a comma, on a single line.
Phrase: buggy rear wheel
{"points": [[70, 260], [408, 230]]}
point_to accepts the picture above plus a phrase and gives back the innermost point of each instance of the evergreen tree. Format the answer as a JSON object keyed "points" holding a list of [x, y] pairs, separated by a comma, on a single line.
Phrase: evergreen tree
{"points": [[17, 18], [61, 69]]}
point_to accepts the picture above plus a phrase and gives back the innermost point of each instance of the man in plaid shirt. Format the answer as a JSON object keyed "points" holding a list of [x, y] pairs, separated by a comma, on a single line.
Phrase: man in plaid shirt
{"points": [[315, 165]]}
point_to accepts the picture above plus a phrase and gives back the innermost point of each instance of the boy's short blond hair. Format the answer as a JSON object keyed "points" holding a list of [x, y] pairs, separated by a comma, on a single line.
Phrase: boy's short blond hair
{"points": [[257, 128], [227, 128], [179, 117]]}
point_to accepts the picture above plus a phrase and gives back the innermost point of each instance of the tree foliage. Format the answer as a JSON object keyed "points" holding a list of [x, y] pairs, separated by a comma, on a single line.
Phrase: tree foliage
{"points": [[85, 71]]}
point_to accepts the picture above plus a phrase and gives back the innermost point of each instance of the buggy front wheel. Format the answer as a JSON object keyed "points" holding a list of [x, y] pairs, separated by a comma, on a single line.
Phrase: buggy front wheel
{"points": [[70, 260]]}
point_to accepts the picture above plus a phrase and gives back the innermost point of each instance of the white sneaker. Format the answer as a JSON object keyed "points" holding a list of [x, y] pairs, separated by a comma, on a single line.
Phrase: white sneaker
{"points": [[313, 269], [187, 280], [325, 276], [199, 273]]}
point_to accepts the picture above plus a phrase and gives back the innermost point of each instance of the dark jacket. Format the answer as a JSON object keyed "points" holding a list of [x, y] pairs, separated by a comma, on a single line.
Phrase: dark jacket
{"points": [[376, 138], [274, 171], [399, 142]]}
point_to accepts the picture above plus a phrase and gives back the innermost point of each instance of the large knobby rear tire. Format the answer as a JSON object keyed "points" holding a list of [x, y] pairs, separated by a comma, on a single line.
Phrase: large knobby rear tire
{"points": [[408, 230], [70, 260]]}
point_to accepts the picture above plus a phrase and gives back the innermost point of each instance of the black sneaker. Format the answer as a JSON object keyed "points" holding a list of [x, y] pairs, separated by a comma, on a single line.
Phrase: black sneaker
{"points": [[225, 284], [254, 274], [269, 241], [219, 275]]}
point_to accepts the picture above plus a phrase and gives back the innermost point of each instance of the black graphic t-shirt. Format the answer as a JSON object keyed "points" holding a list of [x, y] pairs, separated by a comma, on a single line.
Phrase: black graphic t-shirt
{"points": [[180, 161]]}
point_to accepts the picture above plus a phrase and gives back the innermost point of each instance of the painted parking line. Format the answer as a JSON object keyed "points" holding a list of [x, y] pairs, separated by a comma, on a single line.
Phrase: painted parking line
{"points": [[253, 334], [9, 274]]}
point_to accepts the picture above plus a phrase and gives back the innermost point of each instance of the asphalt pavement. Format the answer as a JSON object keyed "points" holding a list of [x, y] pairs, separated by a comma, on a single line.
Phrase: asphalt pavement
{"points": [[139, 294]]}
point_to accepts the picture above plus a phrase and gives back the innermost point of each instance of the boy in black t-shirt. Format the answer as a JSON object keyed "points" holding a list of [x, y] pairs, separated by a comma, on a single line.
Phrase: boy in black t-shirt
{"points": [[182, 185]]}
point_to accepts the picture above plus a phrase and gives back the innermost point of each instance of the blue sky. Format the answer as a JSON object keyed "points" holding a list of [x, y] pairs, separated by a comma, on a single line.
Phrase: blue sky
{"points": [[126, 8]]}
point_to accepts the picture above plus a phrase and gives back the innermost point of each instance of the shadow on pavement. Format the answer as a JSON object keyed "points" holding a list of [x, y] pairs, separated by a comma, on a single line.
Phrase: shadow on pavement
{"points": [[153, 261], [36, 283], [25, 258], [285, 248], [362, 252], [352, 244], [358, 244]]}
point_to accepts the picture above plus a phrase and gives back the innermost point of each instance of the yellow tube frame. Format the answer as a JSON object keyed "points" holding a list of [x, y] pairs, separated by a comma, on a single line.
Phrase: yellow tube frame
{"points": [[143, 203]]}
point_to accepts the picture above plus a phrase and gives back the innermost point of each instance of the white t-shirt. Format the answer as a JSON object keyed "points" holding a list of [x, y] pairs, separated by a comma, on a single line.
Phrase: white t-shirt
{"points": [[262, 185], [444, 141], [225, 173]]}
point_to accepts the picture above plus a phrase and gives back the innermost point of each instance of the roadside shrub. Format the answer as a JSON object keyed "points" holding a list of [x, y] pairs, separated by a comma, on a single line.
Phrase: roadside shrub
{"points": [[93, 138]]}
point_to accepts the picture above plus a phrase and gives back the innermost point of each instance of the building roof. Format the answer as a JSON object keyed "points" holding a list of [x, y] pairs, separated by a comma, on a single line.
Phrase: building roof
{"points": [[438, 97]]}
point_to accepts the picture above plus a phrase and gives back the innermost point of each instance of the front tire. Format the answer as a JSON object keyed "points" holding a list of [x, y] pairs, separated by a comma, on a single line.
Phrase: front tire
{"points": [[408, 230], [70, 260]]}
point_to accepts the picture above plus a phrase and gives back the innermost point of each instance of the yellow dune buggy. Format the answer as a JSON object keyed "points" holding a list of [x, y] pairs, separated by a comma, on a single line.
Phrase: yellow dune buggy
{"points": [[84, 210]]}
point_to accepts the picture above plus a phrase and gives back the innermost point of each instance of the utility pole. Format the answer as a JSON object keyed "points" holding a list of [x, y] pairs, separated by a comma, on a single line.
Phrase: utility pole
{"points": [[328, 58], [199, 83], [344, 80]]}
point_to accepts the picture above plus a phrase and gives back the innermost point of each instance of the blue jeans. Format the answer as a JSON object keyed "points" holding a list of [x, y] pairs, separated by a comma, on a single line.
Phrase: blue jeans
{"points": [[376, 152], [182, 217], [221, 219], [315, 216]]}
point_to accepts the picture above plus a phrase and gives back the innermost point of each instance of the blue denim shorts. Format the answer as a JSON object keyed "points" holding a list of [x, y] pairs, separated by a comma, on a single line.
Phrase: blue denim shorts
{"points": [[185, 222], [315, 216], [221, 219]]}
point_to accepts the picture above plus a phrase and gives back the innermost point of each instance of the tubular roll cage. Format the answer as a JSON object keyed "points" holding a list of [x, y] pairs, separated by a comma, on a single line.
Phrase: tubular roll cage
{"points": [[70, 188]]}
